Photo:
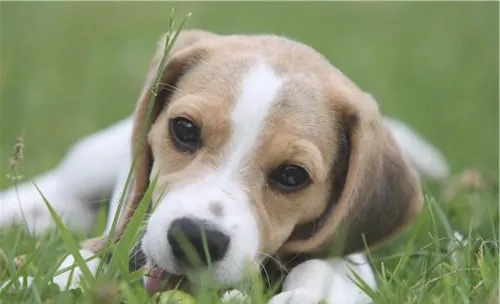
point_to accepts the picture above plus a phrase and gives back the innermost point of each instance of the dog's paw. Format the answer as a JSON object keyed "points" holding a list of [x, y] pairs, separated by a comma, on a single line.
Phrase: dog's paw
{"points": [[23, 205], [23, 282], [71, 278], [297, 296]]}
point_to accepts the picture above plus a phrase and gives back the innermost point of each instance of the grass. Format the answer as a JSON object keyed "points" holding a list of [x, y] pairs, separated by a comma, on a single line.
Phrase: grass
{"points": [[433, 65]]}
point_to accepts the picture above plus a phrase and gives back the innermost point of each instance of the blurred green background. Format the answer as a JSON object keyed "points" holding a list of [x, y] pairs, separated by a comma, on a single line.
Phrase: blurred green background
{"points": [[68, 69]]}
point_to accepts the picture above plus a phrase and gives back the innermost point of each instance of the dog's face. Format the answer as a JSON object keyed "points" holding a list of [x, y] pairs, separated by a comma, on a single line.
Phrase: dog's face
{"points": [[261, 144], [244, 146]]}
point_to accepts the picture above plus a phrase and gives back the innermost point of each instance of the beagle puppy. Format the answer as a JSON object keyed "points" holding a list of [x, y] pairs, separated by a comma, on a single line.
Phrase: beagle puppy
{"points": [[260, 145]]}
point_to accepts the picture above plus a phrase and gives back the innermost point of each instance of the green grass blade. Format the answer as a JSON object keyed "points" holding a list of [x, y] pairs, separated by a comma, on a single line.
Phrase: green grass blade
{"points": [[68, 240], [129, 237], [168, 45]]}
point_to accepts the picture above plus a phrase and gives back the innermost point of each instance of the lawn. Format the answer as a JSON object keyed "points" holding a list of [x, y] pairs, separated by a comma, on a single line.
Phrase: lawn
{"points": [[68, 69]]}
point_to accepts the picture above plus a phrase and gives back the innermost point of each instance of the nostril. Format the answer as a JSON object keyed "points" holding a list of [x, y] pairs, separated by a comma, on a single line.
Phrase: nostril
{"points": [[218, 243], [187, 236], [183, 235]]}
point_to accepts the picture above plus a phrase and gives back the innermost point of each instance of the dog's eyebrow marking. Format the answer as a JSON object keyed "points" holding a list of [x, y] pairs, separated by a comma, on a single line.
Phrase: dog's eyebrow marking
{"points": [[259, 89]]}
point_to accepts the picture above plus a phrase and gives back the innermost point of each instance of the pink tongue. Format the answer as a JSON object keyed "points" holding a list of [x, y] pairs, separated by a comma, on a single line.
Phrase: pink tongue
{"points": [[155, 281]]}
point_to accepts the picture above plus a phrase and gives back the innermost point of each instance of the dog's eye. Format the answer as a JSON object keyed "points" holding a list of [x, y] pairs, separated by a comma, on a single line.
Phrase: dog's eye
{"points": [[289, 178], [185, 134]]}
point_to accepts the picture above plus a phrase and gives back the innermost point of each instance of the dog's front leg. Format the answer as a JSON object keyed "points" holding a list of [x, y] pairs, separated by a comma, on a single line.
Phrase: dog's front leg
{"points": [[85, 175], [326, 281]]}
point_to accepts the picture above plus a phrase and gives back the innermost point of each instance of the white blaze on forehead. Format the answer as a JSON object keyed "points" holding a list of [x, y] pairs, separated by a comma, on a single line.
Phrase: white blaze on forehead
{"points": [[259, 89]]}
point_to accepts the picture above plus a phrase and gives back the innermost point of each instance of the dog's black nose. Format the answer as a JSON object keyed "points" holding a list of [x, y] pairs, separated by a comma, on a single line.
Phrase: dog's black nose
{"points": [[186, 234]]}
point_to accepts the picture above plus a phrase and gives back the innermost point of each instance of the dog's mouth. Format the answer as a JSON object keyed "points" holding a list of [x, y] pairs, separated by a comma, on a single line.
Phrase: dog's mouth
{"points": [[157, 280]]}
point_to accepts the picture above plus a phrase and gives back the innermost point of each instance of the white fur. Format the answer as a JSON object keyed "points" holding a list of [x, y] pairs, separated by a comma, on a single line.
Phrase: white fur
{"points": [[24, 205], [257, 96], [24, 282], [423, 156], [223, 185], [330, 280], [71, 278], [87, 174]]}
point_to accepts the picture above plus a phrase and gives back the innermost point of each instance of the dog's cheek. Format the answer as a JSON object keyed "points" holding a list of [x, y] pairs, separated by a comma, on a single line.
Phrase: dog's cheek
{"points": [[284, 212], [261, 217], [271, 216], [170, 181], [314, 201]]}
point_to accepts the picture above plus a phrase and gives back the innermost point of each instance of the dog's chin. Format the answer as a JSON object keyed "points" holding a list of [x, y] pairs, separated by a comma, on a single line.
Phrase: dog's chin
{"points": [[215, 278]]}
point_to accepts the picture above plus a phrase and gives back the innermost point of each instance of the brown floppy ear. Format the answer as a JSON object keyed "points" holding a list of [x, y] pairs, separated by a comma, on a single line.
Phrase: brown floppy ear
{"points": [[184, 55], [375, 192]]}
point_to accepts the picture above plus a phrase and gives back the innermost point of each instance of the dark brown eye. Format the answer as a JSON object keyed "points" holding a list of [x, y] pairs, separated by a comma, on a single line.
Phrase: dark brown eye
{"points": [[289, 178], [185, 134]]}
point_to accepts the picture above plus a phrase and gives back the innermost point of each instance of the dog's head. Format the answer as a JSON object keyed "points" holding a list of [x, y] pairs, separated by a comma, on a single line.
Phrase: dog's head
{"points": [[265, 147]]}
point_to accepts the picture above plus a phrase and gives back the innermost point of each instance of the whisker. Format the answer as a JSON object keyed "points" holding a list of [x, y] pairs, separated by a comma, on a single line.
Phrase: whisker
{"points": [[270, 257], [266, 274]]}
